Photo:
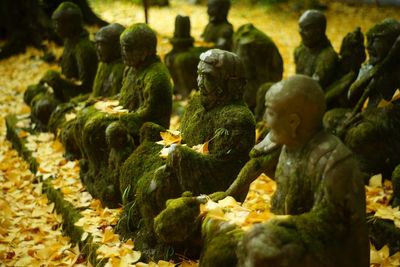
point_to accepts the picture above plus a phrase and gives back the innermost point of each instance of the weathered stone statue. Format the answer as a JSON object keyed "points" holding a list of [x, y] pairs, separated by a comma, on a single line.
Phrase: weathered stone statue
{"points": [[372, 134], [319, 191], [215, 116], [108, 77], [182, 60], [315, 56], [146, 93], [121, 146], [218, 29], [109, 74], [79, 59], [261, 58], [381, 39], [108, 82], [351, 56], [78, 67]]}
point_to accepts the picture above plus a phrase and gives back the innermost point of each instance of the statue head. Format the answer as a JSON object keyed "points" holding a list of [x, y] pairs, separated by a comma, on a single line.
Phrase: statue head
{"points": [[352, 50], [138, 43], [221, 77], [182, 37], [380, 39], [294, 110], [107, 42], [116, 135], [312, 26], [217, 10], [67, 20]]}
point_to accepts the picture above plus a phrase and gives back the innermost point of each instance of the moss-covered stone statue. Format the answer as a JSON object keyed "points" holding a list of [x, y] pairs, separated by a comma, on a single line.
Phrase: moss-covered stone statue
{"points": [[351, 56], [218, 29], [121, 146], [381, 39], [146, 94], [261, 58], [107, 83], [78, 66], [217, 117], [319, 200], [110, 71], [372, 133], [315, 56], [182, 60]]}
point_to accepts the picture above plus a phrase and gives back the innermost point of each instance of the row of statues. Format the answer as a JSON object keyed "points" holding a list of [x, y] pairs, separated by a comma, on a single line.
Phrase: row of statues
{"points": [[319, 192]]}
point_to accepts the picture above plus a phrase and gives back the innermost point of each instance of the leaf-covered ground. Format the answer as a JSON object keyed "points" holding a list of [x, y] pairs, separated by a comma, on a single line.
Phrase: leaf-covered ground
{"points": [[30, 233]]}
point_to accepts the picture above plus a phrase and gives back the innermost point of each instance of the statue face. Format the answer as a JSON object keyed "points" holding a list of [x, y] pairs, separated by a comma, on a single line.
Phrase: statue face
{"points": [[278, 121], [132, 56], [216, 11], [311, 33], [208, 82], [378, 47], [64, 27], [107, 51]]}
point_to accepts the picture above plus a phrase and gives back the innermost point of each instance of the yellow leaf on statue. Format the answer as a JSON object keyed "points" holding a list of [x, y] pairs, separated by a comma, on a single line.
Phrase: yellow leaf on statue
{"points": [[70, 116], [22, 134], [170, 137], [376, 181], [383, 103], [395, 96], [202, 148]]}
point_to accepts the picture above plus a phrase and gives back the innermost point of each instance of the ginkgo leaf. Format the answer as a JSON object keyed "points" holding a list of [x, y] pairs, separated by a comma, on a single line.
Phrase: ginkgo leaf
{"points": [[202, 148], [170, 137]]}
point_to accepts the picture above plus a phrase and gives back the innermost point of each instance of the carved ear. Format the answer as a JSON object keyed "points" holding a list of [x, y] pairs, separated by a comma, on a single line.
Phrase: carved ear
{"points": [[294, 122]]}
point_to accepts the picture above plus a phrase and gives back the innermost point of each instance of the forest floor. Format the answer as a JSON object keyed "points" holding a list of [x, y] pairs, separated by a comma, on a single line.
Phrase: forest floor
{"points": [[30, 232]]}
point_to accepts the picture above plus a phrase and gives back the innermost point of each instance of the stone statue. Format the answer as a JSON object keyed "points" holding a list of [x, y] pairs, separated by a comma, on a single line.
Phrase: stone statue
{"points": [[351, 56], [182, 60], [381, 39], [121, 146], [215, 116], [315, 56], [146, 93], [78, 67], [372, 133], [319, 200], [79, 59], [107, 83], [218, 29], [109, 74], [261, 58]]}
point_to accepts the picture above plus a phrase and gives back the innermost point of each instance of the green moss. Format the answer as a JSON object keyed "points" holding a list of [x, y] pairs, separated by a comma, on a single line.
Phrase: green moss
{"points": [[57, 118], [182, 64], [220, 241], [384, 232], [396, 186], [32, 91], [262, 60], [320, 64], [179, 222], [108, 80], [13, 135], [152, 84]]}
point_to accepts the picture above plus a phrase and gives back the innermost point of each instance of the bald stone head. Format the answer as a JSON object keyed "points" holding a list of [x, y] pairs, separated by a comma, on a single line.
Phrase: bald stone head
{"points": [[138, 43], [294, 110], [107, 42], [67, 20], [217, 10], [312, 26]]}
